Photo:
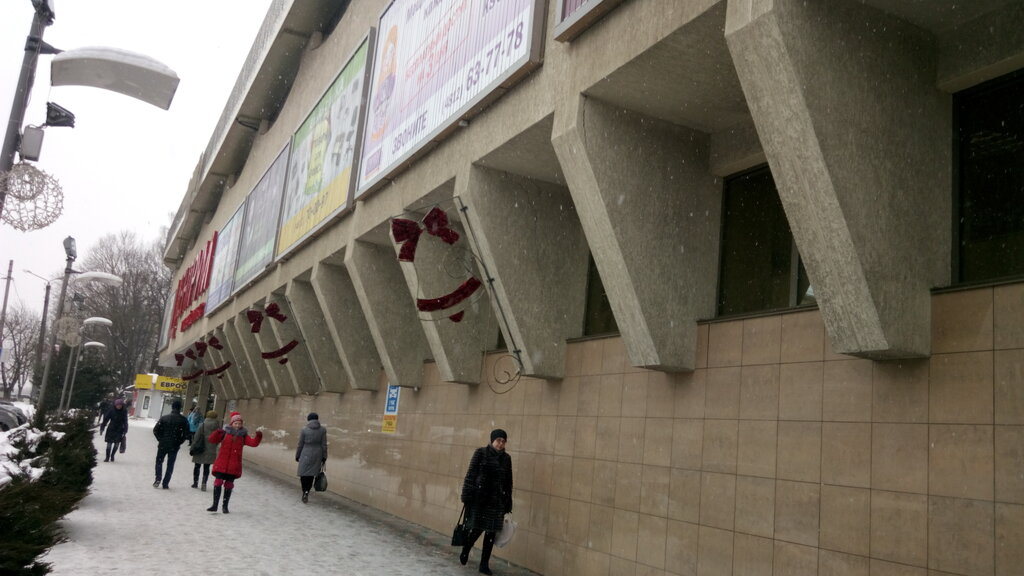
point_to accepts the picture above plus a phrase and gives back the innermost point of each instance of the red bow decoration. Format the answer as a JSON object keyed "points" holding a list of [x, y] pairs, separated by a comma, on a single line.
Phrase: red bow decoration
{"points": [[216, 343], [201, 348], [255, 318], [407, 233], [179, 358], [190, 354], [274, 311]]}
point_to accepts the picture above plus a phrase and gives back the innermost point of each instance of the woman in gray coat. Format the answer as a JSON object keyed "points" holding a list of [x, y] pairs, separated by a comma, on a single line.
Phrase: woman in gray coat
{"points": [[311, 452], [205, 458]]}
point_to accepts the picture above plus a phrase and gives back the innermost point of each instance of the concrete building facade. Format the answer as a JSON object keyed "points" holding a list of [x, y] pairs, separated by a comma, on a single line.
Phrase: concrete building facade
{"points": [[742, 279]]}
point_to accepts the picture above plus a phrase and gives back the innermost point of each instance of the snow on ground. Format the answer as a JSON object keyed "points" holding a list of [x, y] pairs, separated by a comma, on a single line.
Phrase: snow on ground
{"points": [[126, 527]]}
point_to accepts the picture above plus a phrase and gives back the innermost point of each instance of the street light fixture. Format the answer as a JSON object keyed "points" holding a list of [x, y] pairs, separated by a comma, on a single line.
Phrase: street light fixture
{"points": [[78, 358], [71, 252], [131, 74], [42, 329]]}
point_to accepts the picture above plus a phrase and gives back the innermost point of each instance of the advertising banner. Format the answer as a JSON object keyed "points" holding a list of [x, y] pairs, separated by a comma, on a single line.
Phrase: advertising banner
{"points": [[389, 424], [434, 60], [256, 242], [320, 172], [221, 278], [575, 16]]}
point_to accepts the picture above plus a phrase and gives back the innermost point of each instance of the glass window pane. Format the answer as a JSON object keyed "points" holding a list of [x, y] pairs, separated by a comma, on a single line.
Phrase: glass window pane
{"points": [[757, 246], [599, 318], [991, 157]]}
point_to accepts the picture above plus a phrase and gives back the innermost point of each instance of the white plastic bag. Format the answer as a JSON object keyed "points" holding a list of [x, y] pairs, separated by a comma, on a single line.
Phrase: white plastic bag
{"points": [[508, 530]]}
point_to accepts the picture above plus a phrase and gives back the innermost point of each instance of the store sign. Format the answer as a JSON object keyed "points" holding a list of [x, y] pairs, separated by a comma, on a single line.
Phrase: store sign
{"points": [[193, 283]]}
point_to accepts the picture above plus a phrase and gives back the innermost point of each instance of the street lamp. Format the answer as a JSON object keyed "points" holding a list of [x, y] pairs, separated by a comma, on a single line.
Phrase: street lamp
{"points": [[78, 359], [131, 74], [73, 357], [71, 251], [42, 328]]}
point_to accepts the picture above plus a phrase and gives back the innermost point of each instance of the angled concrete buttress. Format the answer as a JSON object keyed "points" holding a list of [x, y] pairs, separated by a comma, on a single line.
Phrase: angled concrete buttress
{"points": [[458, 347], [648, 204], [300, 361], [237, 329], [528, 234], [225, 385], [312, 322], [857, 137], [266, 340], [347, 324], [390, 312], [241, 372]]}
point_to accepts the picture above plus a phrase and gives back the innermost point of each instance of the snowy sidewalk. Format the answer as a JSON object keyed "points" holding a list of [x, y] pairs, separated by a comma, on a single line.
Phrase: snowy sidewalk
{"points": [[125, 526]]}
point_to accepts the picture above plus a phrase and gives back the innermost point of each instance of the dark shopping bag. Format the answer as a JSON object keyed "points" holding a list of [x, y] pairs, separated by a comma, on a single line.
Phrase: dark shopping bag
{"points": [[320, 483], [124, 444], [197, 448], [460, 535]]}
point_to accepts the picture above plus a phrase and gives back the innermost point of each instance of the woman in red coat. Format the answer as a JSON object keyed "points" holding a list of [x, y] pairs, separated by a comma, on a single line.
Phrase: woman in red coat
{"points": [[228, 465]]}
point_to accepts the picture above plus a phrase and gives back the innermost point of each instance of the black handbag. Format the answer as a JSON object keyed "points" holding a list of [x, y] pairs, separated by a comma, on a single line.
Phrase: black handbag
{"points": [[460, 535], [320, 482], [124, 444], [197, 448]]}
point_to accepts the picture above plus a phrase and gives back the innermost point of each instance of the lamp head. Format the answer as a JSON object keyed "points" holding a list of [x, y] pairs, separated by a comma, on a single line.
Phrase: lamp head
{"points": [[70, 248]]}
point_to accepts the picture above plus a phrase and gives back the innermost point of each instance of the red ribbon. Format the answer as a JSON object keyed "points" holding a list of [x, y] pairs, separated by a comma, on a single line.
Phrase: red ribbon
{"points": [[274, 311], [450, 299], [218, 369], [179, 358], [280, 351], [216, 343], [255, 318], [201, 348]]}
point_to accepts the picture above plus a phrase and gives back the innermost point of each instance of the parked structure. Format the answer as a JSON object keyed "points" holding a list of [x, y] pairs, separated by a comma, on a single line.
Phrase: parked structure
{"points": [[741, 278]]}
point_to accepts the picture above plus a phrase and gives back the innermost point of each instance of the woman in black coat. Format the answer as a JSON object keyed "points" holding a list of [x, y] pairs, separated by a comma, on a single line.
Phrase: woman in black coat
{"points": [[115, 421], [487, 494]]}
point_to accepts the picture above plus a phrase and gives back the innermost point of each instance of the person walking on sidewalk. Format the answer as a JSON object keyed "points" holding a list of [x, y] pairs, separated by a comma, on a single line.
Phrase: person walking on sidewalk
{"points": [[228, 466], [487, 494], [203, 453], [171, 431], [115, 421], [311, 452]]}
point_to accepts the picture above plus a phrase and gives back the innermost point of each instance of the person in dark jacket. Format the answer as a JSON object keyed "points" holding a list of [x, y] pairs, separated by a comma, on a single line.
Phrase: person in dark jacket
{"points": [[115, 422], [171, 431], [487, 494], [227, 468], [311, 452], [203, 460]]}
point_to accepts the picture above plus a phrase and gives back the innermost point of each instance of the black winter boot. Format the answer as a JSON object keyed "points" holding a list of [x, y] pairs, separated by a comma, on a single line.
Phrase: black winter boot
{"points": [[216, 499], [485, 554], [227, 496], [195, 476]]}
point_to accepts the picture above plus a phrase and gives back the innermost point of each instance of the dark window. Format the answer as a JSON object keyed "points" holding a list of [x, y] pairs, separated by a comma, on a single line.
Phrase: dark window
{"points": [[760, 267], [599, 318], [990, 142]]}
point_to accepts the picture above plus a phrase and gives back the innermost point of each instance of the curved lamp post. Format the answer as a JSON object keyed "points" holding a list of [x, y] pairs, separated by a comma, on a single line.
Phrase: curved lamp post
{"points": [[75, 357], [134, 75], [72, 253], [78, 358]]}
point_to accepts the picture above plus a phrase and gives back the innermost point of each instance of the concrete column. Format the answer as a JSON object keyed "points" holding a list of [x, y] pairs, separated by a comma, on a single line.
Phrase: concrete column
{"points": [[300, 365], [242, 343], [859, 143], [241, 372], [311, 320], [225, 385], [529, 236], [266, 340], [650, 209], [438, 269], [390, 313], [347, 325]]}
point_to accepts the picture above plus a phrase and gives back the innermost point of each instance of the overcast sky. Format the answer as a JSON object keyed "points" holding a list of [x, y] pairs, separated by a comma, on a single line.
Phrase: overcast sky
{"points": [[126, 164]]}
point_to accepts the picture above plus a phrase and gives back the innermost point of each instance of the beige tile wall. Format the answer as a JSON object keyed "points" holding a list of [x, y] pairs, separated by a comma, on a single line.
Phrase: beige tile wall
{"points": [[776, 456]]}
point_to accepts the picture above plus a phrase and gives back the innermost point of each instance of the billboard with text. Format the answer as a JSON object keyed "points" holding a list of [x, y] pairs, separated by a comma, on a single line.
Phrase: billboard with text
{"points": [[256, 241], [224, 259], [434, 60]]}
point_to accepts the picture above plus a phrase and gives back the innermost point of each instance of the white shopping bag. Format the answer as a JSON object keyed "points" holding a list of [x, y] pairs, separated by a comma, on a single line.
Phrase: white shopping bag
{"points": [[508, 530]]}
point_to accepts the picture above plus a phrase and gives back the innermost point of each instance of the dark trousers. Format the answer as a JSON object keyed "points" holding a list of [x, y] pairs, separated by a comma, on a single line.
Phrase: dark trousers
{"points": [[485, 553], [307, 483], [172, 455], [195, 472], [112, 450]]}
